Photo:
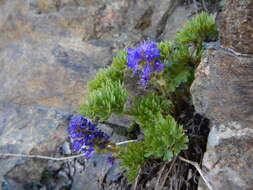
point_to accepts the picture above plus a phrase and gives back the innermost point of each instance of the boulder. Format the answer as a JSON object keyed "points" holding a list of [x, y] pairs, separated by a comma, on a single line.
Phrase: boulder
{"points": [[223, 91], [24, 128], [49, 49], [45, 66], [236, 30]]}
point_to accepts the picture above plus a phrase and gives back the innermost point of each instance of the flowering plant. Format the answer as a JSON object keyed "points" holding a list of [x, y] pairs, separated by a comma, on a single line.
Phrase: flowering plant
{"points": [[86, 137], [144, 61], [163, 72]]}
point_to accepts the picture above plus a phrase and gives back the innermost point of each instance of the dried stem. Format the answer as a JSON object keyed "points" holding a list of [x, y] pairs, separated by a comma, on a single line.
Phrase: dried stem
{"points": [[199, 170], [160, 175], [167, 174], [41, 157], [125, 142], [54, 158], [137, 179]]}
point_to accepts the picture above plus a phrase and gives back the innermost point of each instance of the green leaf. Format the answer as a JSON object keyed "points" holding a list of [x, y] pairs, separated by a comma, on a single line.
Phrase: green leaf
{"points": [[168, 156], [165, 139], [104, 101], [132, 157]]}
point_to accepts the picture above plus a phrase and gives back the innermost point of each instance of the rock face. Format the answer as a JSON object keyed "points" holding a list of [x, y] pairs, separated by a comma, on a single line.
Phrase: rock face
{"points": [[49, 49], [26, 127], [223, 92], [236, 26]]}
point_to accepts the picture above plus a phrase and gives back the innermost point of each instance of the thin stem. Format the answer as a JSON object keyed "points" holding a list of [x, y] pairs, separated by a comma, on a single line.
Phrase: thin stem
{"points": [[160, 175], [137, 179], [199, 170], [41, 157], [125, 142], [167, 174], [54, 158]]}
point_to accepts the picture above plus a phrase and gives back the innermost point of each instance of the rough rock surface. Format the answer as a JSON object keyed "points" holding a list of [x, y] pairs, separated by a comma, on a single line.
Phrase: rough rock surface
{"points": [[223, 92], [26, 127], [236, 31], [49, 49]]}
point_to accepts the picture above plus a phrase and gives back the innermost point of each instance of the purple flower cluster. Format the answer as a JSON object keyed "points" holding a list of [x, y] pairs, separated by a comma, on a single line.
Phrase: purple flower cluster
{"points": [[144, 61], [111, 160], [85, 136]]}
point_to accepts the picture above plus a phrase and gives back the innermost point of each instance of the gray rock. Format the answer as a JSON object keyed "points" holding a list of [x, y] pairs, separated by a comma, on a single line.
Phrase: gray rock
{"points": [[66, 148], [49, 49], [97, 173], [26, 127], [176, 21], [45, 66], [11, 185]]}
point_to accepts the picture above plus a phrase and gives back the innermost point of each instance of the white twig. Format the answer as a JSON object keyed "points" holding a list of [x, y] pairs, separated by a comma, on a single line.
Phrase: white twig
{"points": [[41, 157], [137, 179], [54, 158], [125, 142], [199, 170]]}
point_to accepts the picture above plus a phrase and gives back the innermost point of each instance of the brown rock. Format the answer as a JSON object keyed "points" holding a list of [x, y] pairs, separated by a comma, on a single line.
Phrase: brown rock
{"points": [[45, 66], [223, 87], [236, 26], [223, 91], [49, 49]]}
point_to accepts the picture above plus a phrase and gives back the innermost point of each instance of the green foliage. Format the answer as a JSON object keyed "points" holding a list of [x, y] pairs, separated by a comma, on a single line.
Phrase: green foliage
{"points": [[163, 137], [176, 75], [178, 70], [197, 29], [185, 53], [104, 101], [164, 140], [107, 93], [115, 72], [103, 76], [166, 48], [119, 62], [132, 159], [144, 109]]}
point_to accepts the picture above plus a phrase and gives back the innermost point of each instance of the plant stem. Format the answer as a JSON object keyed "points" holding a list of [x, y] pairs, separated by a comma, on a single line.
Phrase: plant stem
{"points": [[54, 158], [199, 170], [40, 156]]}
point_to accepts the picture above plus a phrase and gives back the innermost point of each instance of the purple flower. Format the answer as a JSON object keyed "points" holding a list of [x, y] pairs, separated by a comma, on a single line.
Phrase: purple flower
{"points": [[145, 75], [158, 66], [85, 136], [88, 152], [133, 58], [111, 160], [150, 51], [144, 60]]}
